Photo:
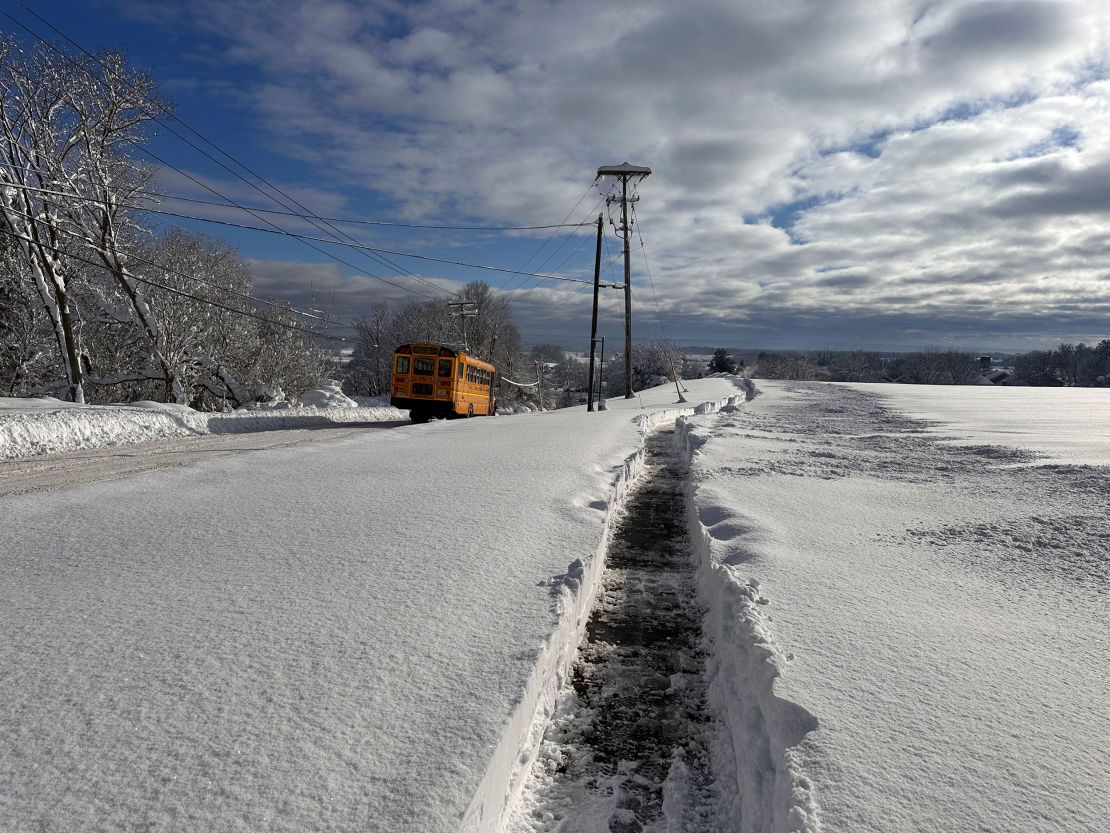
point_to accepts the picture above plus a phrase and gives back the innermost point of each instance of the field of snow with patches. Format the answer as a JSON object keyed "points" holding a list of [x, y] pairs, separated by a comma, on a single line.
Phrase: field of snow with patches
{"points": [[904, 627], [908, 600]]}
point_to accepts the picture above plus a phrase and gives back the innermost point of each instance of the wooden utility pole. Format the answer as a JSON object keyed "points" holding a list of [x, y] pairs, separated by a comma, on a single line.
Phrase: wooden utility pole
{"points": [[593, 321], [627, 292], [463, 310], [624, 173], [600, 374]]}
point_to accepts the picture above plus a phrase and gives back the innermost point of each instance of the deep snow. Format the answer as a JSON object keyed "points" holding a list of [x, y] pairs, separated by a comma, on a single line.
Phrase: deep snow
{"points": [[906, 627], [909, 628], [30, 427], [359, 635]]}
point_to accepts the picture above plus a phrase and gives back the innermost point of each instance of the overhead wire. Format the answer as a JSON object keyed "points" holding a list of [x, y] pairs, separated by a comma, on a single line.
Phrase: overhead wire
{"points": [[609, 265], [377, 253], [204, 153], [307, 237], [170, 270], [312, 220], [347, 220], [173, 290], [651, 283], [582, 242], [535, 254]]}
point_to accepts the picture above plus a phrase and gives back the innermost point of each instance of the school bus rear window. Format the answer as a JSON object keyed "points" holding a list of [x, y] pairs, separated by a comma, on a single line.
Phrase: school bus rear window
{"points": [[402, 364], [423, 367], [445, 368]]}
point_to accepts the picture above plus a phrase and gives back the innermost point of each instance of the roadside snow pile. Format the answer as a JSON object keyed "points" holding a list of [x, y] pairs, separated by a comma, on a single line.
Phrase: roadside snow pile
{"points": [[31, 427], [908, 625], [328, 395]]}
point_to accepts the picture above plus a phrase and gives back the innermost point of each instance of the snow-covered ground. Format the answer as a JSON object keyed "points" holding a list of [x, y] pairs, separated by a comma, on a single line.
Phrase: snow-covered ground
{"points": [[359, 635], [31, 427], [1063, 425], [909, 633], [905, 624]]}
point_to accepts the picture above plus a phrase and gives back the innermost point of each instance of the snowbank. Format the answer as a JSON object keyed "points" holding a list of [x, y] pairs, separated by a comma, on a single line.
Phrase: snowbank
{"points": [[49, 426], [328, 395], [358, 635], [909, 627], [762, 787]]}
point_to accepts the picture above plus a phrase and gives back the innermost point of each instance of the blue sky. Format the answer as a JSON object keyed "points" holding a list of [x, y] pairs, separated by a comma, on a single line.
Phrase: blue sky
{"points": [[844, 174]]}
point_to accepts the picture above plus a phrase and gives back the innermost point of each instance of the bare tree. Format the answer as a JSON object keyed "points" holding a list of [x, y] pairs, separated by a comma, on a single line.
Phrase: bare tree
{"points": [[26, 357], [368, 372], [40, 152], [70, 185]]}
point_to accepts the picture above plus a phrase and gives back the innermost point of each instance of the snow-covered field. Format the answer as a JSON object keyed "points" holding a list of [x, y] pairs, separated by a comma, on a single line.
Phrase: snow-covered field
{"points": [[905, 627], [910, 626], [31, 427], [1062, 425]]}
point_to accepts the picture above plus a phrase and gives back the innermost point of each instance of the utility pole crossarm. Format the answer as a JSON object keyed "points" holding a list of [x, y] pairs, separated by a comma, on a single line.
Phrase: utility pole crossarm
{"points": [[623, 169]]}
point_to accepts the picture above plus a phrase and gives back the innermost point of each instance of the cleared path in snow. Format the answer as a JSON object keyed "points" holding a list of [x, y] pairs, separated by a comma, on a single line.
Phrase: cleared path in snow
{"points": [[627, 750], [28, 475]]}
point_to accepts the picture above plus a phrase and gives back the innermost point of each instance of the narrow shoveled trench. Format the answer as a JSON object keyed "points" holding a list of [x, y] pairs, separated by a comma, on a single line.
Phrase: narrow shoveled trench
{"points": [[628, 747]]}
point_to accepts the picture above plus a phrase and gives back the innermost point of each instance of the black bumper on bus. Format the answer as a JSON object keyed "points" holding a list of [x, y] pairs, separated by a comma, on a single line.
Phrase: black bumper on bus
{"points": [[430, 407]]}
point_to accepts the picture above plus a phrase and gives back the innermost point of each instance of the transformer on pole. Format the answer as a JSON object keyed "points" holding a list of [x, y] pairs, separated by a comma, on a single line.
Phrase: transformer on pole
{"points": [[625, 172]]}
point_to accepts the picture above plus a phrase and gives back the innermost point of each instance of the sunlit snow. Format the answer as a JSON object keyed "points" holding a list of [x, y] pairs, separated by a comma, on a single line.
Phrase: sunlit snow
{"points": [[905, 594]]}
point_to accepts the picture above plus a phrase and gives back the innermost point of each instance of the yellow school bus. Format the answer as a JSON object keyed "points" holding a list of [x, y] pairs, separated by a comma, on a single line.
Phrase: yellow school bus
{"points": [[434, 380]]}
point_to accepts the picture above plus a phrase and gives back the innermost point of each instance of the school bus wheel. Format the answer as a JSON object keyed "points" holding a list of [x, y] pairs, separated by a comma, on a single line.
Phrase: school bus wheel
{"points": [[470, 410]]}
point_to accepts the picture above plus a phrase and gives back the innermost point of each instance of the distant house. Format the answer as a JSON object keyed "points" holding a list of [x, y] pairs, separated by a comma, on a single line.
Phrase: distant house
{"points": [[998, 376]]}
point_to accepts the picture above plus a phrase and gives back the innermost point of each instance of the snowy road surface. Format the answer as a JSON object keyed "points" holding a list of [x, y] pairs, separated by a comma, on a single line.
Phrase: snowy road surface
{"points": [[77, 468], [346, 636]]}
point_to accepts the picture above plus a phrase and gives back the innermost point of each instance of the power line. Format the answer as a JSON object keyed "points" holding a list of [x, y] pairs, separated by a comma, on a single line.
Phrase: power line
{"points": [[172, 290], [647, 268], [346, 220], [236, 174], [307, 237], [611, 260], [311, 217], [558, 306], [543, 245], [180, 274], [353, 222], [524, 283]]}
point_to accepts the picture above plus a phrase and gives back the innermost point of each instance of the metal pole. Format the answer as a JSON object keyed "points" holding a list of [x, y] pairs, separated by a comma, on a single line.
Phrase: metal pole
{"points": [[600, 376], [627, 292], [593, 321]]}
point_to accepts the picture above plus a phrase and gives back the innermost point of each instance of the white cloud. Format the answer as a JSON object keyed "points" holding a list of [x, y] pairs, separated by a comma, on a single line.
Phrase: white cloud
{"points": [[986, 201]]}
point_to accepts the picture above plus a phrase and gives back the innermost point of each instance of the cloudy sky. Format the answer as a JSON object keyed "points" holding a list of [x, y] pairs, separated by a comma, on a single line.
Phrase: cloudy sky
{"points": [[825, 173]]}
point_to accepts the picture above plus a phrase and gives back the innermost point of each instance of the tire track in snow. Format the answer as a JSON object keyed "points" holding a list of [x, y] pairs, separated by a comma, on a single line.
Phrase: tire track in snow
{"points": [[628, 747]]}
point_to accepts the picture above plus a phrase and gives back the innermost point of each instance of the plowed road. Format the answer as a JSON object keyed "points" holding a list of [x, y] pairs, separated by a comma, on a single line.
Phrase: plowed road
{"points": [[59, 471]]}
